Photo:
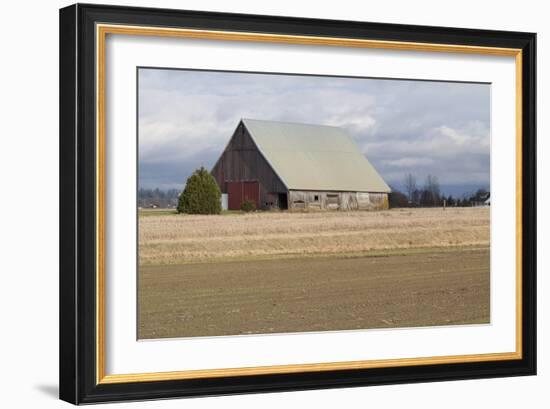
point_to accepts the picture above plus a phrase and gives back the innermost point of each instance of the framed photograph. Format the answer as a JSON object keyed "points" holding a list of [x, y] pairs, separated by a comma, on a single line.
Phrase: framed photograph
{"points": [[257, 203]]}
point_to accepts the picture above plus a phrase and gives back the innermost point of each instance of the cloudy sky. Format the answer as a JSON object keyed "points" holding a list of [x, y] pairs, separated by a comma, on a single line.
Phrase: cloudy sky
{"points": [[418, 127]]}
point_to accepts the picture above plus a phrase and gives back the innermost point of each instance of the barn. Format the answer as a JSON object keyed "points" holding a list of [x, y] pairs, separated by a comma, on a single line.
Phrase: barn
{"points": [[283, 165]]}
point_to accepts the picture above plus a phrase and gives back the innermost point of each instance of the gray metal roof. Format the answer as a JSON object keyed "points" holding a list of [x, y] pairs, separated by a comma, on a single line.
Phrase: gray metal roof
{"points": [[315, 157]]}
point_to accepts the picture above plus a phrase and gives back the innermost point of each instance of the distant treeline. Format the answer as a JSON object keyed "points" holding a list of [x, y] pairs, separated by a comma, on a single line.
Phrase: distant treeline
{"points": [[429, 195], [156, 198]]}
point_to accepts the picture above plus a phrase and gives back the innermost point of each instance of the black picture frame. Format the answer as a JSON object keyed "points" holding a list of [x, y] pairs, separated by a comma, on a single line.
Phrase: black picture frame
{"points": [[78, 360]]}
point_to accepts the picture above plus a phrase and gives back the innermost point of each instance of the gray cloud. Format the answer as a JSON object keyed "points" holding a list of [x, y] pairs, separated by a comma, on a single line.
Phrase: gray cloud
{"points": [[419, 127]]}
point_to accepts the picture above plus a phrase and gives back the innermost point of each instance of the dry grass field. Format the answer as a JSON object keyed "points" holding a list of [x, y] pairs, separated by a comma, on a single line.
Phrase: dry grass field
{"points": [[275, 272], [177, 239]]}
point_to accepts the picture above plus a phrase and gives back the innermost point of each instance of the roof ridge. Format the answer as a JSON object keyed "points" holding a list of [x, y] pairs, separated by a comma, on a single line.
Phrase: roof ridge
{"points": [[293, 123]]}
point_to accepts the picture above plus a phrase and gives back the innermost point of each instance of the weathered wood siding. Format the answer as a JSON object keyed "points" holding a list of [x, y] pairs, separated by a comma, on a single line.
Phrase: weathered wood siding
{"points": [[306, 199], [242, 161]]}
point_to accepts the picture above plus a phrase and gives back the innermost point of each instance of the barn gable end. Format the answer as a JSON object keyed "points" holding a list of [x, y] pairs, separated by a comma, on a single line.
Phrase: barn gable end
{"points": [[241, 161]]}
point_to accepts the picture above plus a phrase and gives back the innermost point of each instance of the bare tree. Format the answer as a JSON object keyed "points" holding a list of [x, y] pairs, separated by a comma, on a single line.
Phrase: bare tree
{"points": [[433, 193], [410, 186]]}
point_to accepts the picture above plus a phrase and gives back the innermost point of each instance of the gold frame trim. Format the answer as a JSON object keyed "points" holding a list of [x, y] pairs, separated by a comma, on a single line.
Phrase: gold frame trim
{"points": [[101, 33]]}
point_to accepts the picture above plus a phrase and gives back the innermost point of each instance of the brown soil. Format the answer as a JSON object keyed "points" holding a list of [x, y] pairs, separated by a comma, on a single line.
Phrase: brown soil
{"points": [[437, 287]]}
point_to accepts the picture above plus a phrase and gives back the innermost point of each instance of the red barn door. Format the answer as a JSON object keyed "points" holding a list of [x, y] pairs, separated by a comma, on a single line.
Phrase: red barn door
{"points": [[238, 192]]}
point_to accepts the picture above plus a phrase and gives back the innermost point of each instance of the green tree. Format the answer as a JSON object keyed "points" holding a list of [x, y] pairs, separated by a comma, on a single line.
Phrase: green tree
{"points": [[201, 194]]}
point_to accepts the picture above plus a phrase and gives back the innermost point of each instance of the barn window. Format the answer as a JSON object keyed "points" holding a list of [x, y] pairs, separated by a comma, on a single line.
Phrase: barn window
{"points": [[299, 203]]}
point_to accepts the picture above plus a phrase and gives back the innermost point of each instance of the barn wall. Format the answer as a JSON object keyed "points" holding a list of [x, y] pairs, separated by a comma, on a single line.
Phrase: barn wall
{"points": [[242, 161], [307, 199]]}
